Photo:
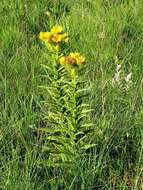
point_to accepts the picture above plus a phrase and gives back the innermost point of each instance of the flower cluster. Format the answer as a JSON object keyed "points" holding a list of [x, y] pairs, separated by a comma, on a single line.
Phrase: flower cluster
{"points": [[53, 39], [56, 35], [72, 59]]}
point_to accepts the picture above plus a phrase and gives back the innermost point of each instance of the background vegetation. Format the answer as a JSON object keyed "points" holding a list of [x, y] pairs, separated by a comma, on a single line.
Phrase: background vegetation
{"points": [[108, 32]]}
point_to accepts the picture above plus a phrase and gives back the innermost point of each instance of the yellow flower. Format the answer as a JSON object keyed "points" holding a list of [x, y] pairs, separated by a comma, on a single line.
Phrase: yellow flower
{"points": [[45, 36], [56, 29], [57, 38], [79, 59], [62, 60], [67, 60], [72, 59]]}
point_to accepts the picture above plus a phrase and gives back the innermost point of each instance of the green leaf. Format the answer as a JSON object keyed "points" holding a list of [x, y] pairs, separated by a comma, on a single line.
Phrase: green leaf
{"points": [[86, 147]]}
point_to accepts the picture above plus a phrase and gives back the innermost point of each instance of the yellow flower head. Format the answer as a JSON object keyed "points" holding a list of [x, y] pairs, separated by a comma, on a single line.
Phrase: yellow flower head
{"points": [[56, 29], [55, 36], [72, 59], [79, 58], [60, 38], [45, 36]]}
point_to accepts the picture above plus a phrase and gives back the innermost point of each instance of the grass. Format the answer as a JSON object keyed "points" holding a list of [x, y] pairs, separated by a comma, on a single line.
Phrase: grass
{"points": [[102, 30]]}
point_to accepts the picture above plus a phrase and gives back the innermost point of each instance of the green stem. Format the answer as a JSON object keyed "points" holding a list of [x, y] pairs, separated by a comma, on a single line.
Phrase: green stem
{"points": [[74, 77]]}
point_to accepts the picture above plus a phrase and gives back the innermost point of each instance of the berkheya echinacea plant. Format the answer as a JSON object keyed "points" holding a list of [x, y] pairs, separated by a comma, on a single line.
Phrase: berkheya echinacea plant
{"points": [[68, 127]]}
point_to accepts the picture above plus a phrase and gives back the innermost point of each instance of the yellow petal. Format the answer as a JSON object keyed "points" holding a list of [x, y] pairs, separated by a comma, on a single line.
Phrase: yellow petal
{"points": [[56, 29], [74, 55], [62, 60], [45, 36], [81, 60], [57, 38]]}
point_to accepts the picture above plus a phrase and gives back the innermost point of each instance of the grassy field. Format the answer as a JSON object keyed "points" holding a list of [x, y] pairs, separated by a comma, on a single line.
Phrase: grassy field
{"points": [[109, 33]]}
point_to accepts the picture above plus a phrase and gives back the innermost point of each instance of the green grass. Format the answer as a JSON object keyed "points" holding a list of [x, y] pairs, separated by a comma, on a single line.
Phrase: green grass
{"points": [[101, 30]]}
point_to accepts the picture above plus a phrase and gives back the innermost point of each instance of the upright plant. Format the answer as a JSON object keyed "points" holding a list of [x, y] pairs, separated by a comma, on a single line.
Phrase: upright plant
{"points": [[67, 115]]}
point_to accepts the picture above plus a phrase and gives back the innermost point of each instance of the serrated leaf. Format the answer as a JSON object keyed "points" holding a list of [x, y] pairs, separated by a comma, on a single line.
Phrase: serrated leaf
{"points": [[82, 91], [85, 111], [86, 147], [87, 125]]}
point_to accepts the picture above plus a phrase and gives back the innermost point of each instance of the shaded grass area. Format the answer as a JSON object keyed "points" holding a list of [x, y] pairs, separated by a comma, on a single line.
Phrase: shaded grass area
{"points": [[102, 30]]}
